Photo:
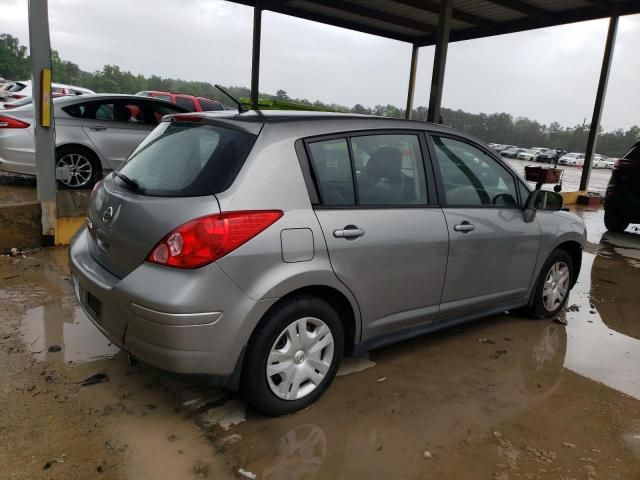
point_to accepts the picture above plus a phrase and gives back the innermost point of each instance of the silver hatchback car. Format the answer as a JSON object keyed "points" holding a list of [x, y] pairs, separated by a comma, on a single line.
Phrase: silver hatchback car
{"points": [[259, 248], [93, 132]]}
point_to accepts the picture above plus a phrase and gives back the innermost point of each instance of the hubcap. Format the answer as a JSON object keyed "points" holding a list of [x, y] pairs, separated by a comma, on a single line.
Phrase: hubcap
{"points": [[300, 358], [80, 169], [556, 286]]}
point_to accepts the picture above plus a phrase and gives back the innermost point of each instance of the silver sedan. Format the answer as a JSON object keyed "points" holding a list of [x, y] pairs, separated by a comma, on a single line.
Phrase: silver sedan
{"points": [[93, 132]]}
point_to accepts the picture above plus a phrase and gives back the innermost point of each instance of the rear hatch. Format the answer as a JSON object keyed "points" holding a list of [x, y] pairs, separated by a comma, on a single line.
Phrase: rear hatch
{"points": [[171, 178]]}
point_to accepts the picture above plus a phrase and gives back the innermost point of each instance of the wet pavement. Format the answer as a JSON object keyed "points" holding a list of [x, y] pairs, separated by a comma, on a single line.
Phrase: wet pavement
{"points": [[502, 398], [571, 177]]}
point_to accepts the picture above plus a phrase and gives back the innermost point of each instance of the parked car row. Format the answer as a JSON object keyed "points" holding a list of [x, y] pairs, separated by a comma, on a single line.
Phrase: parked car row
{"points": [[94, 132], [551, 155]]}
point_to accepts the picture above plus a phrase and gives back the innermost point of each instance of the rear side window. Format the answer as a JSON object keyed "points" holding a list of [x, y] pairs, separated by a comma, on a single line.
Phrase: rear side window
{"points": [[183, 159], [209, 105], [370, 170], [633, 154], [186, 102], [333, 171], [389, 170]]}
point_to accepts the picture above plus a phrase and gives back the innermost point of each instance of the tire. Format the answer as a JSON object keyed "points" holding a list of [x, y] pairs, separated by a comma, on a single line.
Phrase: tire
{"points": [[544, 304], [613, 222], [84, 166], [278, 336]]}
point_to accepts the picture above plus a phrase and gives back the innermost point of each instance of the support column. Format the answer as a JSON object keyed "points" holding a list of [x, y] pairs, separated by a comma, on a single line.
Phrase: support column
{"points": [[412, 80], [40, 51], [439, 61], [255, 55], [600, 95]]}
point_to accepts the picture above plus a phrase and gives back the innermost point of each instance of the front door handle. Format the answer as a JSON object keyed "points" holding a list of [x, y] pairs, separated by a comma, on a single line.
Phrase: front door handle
{"points": [[349, 232], [464, 227], [97, 128]]}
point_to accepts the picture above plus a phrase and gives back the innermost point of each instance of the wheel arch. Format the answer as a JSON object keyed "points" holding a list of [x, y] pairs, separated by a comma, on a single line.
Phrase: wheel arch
{"points": [[574, 249], [337, 300], [83, 147]]}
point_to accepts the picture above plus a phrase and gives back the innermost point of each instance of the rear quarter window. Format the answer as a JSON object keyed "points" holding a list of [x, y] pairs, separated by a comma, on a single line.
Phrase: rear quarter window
{"points": [[185, 159]]}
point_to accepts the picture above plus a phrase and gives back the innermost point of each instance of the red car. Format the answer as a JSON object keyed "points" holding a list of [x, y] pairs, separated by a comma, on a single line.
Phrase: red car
{"points": [[193, 104]]}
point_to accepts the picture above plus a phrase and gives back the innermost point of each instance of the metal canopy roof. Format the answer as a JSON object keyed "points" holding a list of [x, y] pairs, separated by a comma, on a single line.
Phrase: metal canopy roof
{"points": [[416, 21]]}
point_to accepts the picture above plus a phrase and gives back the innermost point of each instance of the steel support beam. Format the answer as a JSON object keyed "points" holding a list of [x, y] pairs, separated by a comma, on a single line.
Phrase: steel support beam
{"points": [[255, 55], [40, 51], [600, 96], [439, 61], [412, 81]]}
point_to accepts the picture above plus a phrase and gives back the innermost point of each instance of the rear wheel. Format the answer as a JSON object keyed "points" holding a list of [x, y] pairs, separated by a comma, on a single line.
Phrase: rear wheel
{"points": [[83, 166], [615, 222], [293, 356], [554, 283]]}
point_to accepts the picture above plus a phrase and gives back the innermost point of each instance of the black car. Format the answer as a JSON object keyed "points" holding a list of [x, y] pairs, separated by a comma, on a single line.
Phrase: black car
{"points": [[622, 199], [550, 156], [512, 152]]}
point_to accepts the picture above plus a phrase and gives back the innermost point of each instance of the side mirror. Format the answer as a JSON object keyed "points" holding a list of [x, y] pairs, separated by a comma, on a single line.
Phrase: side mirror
{"points": [[541, 200]]}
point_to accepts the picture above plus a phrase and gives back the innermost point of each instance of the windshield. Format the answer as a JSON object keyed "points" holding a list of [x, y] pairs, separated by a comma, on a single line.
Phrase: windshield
{"points": [[186, 159]]}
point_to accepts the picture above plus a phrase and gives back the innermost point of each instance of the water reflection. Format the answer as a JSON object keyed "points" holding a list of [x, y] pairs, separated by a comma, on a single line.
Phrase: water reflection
{"points": [[64, 325], [298, 453], [436, 395]]}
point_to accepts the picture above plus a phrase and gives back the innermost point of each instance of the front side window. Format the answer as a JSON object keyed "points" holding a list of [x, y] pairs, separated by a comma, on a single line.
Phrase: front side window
{"points": [[471, 177], [332, 167], [166, 98]]}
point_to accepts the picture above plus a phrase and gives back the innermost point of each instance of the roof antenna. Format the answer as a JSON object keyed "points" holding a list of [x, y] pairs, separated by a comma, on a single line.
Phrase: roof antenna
{"points": [[241, 108]]}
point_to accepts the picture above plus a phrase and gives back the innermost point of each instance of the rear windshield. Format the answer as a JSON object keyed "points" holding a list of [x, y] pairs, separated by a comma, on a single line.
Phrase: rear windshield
{"points": [[633, 154], [186, 159]]}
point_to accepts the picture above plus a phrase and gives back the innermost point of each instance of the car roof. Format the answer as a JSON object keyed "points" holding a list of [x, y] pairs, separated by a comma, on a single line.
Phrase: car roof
{"points": [[105, 96], [253, 120]]}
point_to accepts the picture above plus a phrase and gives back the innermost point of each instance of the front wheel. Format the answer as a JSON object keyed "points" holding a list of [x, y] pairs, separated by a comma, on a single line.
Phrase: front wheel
{"points": [[293, 356], [613, 222], [554, 283]]}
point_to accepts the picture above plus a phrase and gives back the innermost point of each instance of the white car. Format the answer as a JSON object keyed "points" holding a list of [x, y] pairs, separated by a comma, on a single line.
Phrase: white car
{"points": [[527, 154], [572, 159], [23, 89], [610, 163], [599, 161]]}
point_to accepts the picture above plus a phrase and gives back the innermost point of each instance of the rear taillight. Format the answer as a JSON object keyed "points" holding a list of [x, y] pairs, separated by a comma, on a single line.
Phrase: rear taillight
{"points": [[622, 162], [17, 97], [10, 122], [206, 239]]}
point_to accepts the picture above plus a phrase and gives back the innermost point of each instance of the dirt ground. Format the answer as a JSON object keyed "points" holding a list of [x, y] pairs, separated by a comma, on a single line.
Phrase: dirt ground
{"points": [[502, 398]]}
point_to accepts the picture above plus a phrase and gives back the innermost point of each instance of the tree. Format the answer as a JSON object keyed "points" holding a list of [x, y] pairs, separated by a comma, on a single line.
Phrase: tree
{"points": [[282, 95], [14, 58]]}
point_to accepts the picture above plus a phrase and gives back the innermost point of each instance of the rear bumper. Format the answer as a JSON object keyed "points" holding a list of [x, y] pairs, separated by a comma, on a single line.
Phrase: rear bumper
{"points": [[164, 316]]}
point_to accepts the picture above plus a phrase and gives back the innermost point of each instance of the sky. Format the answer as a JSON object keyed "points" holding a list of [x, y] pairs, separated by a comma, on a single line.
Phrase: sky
{"points": [[547, 74]]}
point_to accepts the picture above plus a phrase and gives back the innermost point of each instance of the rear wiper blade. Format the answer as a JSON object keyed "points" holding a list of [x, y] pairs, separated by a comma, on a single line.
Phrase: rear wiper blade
{"points": [[131, 183]]}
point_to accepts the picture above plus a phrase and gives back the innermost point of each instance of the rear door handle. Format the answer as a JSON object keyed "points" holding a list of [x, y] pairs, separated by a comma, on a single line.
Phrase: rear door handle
{"points": [[349, 231], [97, 128], [464, 227]]}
